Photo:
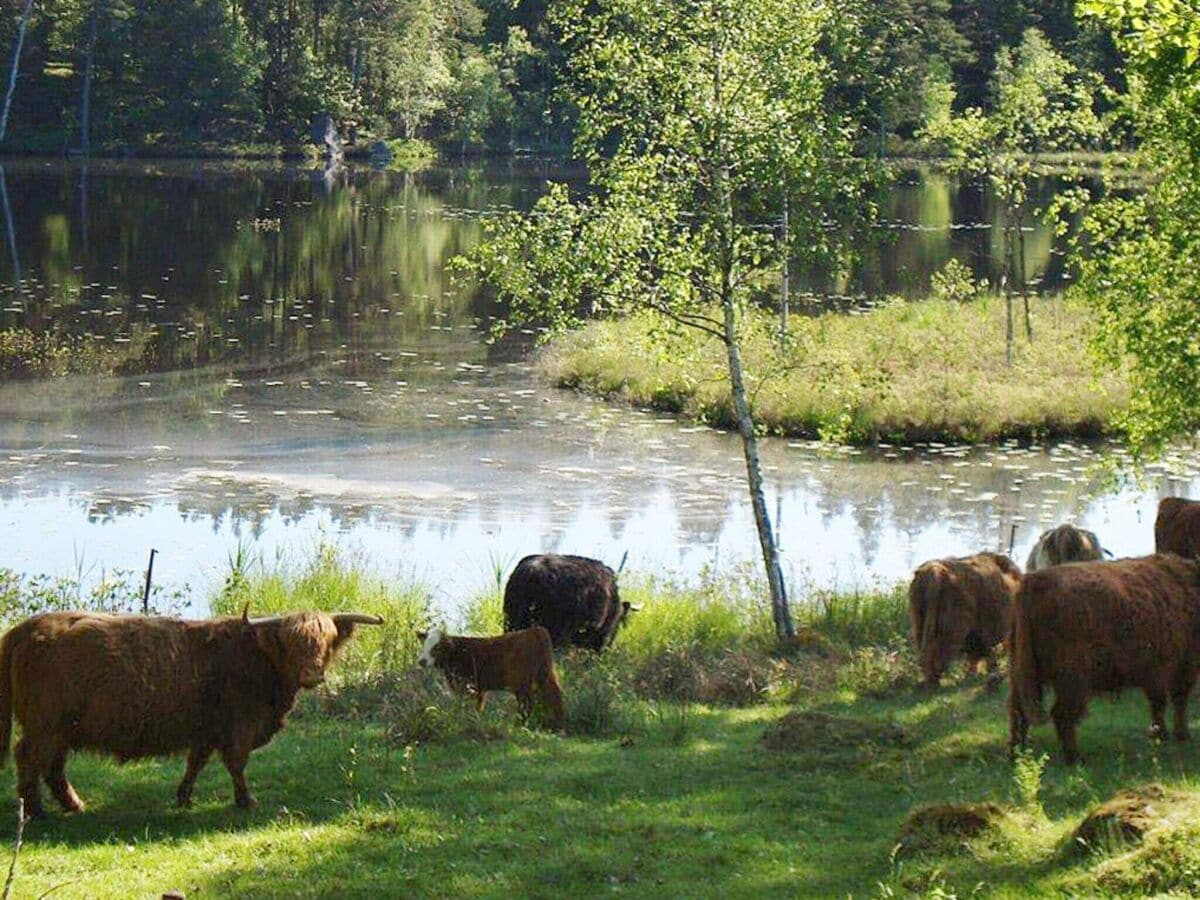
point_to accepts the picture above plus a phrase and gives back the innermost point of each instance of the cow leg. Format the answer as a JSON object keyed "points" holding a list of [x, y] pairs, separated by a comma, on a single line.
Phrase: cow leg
{"points": [[554, 699], [235, 762], [1158, 708], [56, 780], [197, 758], [524, 702], [29, 774], [1068, 709], [1018, 725], [1179, 699]]}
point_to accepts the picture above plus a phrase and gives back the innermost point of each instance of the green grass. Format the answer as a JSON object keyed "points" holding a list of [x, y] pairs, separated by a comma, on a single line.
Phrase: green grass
{"points": [[909, 371], [385, 784]]}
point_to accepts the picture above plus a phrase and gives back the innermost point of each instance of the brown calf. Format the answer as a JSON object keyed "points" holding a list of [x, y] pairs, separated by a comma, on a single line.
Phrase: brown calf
{"points": [[521, 662]]}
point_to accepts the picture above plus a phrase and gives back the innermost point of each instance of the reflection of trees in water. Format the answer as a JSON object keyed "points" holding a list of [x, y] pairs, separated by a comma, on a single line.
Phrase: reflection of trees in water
{"points": [[363, 266]]}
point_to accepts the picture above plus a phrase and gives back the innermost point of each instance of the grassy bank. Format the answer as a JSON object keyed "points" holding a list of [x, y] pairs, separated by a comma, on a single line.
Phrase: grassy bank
{"points": [[918, 371], [814, 781]]}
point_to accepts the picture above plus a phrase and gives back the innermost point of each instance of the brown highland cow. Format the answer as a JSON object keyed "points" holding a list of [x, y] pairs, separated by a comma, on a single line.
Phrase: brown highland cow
{"points": [[1091, 627], [1177, 527], [135, 687], [960, 605]]}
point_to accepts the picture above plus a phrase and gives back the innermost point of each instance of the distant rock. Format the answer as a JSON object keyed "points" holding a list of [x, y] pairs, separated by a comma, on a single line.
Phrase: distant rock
{"points": [[325, 136]]}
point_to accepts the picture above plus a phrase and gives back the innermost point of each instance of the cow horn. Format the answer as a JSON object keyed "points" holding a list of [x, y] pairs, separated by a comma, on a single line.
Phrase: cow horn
{"points": [[246, 613], [356, 619], [267, 620], [636, 607]]}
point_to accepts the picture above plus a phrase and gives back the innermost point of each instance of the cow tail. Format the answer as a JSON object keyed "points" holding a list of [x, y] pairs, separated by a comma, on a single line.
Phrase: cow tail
{"points": [[1022, 665], [6, 692]]}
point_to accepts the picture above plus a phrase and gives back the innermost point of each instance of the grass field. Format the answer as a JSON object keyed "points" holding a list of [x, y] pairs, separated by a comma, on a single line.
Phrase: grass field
{"points": [[908, 371], [667, 785]]}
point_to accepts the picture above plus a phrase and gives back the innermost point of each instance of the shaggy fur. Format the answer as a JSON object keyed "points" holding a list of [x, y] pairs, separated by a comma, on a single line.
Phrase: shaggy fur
{"points": [[572, 597], [136, 687], [521, 662], [960, 605], [1063, 544], [1090, 627], [1177, 527]]}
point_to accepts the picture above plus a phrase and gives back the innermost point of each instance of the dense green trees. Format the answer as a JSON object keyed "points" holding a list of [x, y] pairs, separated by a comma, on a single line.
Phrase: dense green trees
{"points": [[470, 72], [1141, 271]]}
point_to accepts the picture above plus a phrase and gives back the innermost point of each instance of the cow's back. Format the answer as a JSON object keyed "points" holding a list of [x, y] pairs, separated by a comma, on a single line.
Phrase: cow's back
{"points": [[1112, 624], [565, 594], [130, 686], [1177, 527]]}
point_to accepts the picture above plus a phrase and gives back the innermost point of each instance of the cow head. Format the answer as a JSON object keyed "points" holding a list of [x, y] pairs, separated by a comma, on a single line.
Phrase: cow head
{"points": [[429, 640], [301, 645]]}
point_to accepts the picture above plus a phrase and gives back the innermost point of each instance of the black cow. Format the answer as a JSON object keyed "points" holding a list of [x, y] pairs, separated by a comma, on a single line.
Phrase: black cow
{"points": [[572, 597]]}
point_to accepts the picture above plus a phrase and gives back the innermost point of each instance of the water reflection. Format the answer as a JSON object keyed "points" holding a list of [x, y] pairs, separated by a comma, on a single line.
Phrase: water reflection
{"points": [[290, 363]]}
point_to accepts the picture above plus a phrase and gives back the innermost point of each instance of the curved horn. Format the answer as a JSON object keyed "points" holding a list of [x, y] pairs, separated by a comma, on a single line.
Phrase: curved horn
{"points": [[246, 613], [356, 619], [267, 620]]}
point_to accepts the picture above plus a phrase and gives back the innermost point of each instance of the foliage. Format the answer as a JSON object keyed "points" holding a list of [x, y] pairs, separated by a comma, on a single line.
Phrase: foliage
{"points": [[1142, 271], [1040, 103]]}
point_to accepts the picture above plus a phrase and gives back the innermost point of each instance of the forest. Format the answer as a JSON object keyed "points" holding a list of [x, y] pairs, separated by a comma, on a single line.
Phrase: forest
{"points": [[472, 75]]}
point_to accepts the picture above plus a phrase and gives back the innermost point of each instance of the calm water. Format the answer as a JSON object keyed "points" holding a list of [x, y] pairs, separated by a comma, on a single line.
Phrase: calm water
{"points": [[294, 366]]}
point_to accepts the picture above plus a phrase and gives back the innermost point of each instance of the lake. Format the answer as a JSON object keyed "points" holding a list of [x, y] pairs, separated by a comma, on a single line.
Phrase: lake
{"points": [[291, 365]]}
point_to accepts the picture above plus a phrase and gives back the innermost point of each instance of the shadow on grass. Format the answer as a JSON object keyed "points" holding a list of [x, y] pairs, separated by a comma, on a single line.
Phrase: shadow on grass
{"points": [[346, 811]]}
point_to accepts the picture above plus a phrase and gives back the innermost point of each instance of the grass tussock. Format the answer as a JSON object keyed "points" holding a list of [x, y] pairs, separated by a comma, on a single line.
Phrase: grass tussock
{"points": [[905, 372]]}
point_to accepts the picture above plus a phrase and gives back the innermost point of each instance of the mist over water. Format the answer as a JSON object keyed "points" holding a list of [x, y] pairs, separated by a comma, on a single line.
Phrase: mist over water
{"points": [[285, 362]]}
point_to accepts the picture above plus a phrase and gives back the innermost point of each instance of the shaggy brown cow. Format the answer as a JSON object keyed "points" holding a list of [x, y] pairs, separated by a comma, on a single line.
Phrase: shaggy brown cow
{"points": [[135, 687], [1177, 527], [960, 605], [1063, 544], [1090, 627], [520, 661]]}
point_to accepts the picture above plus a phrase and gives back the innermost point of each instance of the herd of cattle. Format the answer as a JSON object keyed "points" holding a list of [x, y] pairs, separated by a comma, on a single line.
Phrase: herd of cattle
{"points": [[136, 687], [1073, 622]]}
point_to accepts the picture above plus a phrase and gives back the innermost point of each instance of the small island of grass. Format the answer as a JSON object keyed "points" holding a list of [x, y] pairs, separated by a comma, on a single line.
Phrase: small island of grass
{"points": [[929, 370]]}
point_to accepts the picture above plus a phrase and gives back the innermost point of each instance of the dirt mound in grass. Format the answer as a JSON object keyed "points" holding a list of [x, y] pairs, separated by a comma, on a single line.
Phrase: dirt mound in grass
{"points": [[805, 730], [1123, 819], [941, 824]]}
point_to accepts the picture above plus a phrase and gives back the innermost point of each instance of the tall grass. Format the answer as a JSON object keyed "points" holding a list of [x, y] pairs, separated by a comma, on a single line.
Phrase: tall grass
{"points": [[333, 580], [907, 371]]}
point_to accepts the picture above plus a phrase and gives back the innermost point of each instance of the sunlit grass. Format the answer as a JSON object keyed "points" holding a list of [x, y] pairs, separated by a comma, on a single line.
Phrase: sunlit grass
{"points": [[909, 371], [386, 784]]}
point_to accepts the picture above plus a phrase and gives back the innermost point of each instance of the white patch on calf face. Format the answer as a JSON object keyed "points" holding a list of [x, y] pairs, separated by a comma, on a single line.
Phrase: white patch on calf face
{"points": [[431, 640]]}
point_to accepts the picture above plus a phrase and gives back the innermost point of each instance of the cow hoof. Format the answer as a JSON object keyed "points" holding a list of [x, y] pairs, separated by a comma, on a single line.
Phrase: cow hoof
{"points": [[183, 802], [247, 802]]}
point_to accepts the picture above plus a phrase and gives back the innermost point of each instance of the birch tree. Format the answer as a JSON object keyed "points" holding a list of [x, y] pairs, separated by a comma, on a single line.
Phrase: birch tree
{"points": [[695, 118]]}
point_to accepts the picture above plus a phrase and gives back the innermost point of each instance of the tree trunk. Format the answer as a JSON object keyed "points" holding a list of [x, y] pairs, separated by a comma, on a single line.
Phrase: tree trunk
{"points": [[1008, 295], [11, 232], [1024, 283], [785, 280], [780, 612], [16, 66], [85, 103], [782, 615]]}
